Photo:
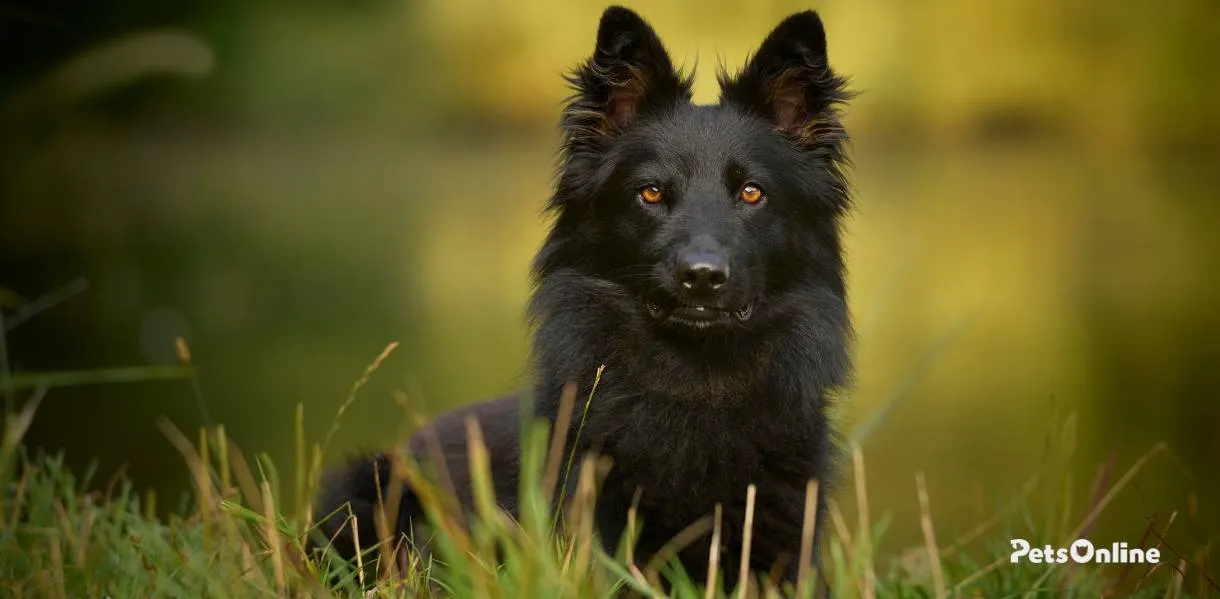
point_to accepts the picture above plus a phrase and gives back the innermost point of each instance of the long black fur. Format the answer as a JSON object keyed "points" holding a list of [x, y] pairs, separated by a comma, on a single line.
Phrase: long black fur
{"points": [[691, 412]]}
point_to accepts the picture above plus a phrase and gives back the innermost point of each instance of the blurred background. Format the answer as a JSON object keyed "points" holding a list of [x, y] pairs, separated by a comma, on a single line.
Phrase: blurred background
{"points": [[290, 186]]}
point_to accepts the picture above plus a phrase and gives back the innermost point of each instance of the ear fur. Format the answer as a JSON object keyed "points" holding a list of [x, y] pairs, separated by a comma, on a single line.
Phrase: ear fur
{"points": [[628, 75], [789, 81]]}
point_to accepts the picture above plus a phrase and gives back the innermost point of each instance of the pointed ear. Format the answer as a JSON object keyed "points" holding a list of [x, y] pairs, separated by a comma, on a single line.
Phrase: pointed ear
{"points": [[789, 80], [628, 75]]}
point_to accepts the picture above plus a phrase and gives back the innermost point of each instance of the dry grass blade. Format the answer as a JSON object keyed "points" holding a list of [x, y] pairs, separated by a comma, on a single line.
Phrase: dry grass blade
{"points": [[840, 524], [436, 459], [1175, 590], [587, 490], [15, 428], [272, 535], [18, 501], [381, 526], [1163, 542], [480, 472], [559, 436], [633, 514], [222, 458], [435, 502], [57, 563], [484, 500], [982, 527], [808, 526], [1118, 486], [301, 465], [678, 542], [65, 526], [929, 536], [747, 533], [25, 312], [870, 577], [203, 483], [580, 545], [387, 515], [245, 477], [643, 581], [1148, 532], [316, 470], [356, 542], [597, 378], [713, 554], [978, 574]]}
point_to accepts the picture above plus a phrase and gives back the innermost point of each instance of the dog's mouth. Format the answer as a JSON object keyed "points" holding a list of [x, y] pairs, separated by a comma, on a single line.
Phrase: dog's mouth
{"points": [[698, 315]]}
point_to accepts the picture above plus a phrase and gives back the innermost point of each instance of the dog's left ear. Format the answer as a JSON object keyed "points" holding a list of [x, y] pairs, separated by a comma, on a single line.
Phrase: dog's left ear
{"points": [[789, 80]]}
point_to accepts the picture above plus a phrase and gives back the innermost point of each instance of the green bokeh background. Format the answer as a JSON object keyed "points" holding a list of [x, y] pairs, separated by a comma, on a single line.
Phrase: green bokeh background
{"points": [[1036, 207]]}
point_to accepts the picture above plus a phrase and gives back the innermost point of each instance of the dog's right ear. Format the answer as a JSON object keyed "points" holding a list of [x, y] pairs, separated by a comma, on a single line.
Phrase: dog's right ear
{"points": [[629, 74], [789, 81]]}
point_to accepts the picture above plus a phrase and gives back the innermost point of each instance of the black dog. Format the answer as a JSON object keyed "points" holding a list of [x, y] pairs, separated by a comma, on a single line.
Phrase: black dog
{"points": [[696, 254]]}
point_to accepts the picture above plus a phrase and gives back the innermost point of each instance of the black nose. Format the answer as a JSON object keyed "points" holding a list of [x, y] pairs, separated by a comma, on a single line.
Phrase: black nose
{"points": [[702, 272]]}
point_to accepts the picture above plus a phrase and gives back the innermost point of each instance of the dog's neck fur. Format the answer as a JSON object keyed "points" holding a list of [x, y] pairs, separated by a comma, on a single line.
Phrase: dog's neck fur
{"points": [[779, 373]]}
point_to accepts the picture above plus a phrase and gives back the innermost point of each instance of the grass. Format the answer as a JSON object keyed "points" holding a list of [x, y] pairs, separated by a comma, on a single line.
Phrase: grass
{"points": [[245, 531]]}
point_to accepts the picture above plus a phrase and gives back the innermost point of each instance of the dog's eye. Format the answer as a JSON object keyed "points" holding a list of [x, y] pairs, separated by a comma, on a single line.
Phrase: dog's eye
{"points": [[651, 194], [751, 193]]}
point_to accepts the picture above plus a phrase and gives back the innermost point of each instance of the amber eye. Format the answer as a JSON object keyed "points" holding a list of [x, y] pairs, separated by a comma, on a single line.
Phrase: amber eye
{"points": [[751, 193], [651, 194]]}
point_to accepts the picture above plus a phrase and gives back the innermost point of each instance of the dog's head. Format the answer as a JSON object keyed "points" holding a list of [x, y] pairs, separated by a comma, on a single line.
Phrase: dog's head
{"points": [[710, 218]]}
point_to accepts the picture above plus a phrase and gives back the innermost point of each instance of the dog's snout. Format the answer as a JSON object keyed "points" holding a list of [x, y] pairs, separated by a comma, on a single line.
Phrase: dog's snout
{"points": [[702, 272]]}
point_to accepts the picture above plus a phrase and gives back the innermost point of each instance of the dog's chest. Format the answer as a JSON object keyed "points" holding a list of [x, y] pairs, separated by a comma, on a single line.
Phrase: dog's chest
{"points": [[684, 457]]}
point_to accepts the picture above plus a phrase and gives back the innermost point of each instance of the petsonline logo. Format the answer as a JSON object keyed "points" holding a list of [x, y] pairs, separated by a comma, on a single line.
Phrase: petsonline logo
{"points": [[1082, 551]]}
